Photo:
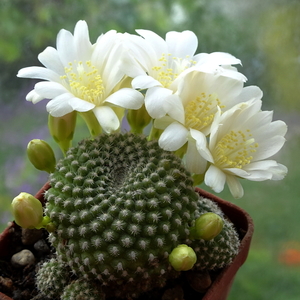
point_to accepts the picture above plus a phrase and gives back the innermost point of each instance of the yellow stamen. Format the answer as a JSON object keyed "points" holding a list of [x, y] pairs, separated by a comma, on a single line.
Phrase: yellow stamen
{"points": [[235, 150], [169, 68], [199, 113], [84, 81]]}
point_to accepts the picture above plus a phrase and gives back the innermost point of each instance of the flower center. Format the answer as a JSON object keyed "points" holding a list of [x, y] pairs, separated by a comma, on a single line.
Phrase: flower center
{"points": [[169, 68], [85, 81], [199, 113], [235, 149]]}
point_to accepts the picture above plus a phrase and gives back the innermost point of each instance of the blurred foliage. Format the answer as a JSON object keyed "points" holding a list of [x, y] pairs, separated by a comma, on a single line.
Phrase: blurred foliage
{"points": [[263, 277], [280, 39]]}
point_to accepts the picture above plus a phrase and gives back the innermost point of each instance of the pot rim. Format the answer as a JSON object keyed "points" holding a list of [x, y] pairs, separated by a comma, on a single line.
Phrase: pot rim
{"points": [[244, 224]]}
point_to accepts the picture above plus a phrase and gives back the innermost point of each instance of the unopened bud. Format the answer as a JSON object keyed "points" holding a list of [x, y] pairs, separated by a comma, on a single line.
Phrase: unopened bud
{"points": [[208, 226], [62, 129], [182, 258], [41, 155], [27, 211]]}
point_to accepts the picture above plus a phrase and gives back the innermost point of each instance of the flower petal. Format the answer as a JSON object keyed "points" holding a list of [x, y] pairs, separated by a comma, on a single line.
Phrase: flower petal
{"points": [[39, 73], [65, 46], [111, 72], [130, 66], [102, 49], [235, 186], [173, 137], [50, 89], [154, 101], [157, 43], [201, 144], [215, 178], [82, 41], [278, 172], [250, 92], [174, 108], [51, 60], [107, 118], [260, 165], [59, 106], [126, 98], [144, 82], [34, 97], [182, 44], [264, 170], [194, 162], [80, 105], [216, 58], [237, 172], [269, 147]]}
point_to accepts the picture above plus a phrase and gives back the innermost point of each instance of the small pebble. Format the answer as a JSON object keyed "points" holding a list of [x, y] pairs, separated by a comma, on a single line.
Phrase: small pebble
{"points": [[41, 246], [30, 236], [22, 259]]}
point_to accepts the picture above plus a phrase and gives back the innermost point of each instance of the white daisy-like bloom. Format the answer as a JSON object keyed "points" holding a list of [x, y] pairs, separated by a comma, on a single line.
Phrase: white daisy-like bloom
{"points": [[80, 76], [201, 94], [241, 141], [157, 65]]}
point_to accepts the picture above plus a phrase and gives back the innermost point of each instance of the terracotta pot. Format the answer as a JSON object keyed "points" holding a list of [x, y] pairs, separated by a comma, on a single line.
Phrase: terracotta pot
{"points": [[220, 287]]}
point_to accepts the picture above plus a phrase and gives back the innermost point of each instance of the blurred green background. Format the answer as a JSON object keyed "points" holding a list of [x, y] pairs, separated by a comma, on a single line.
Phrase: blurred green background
{"points": [[265, 35]]}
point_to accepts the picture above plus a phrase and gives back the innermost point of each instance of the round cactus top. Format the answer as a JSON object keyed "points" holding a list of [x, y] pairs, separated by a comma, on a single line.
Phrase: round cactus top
{"points": [[120, 204]]}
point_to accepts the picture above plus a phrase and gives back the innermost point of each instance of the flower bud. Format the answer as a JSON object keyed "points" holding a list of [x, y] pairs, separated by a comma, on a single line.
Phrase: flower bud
{"points": [[27, 211], [208, 226], [62, 129], [41, 155], [182, 258]]}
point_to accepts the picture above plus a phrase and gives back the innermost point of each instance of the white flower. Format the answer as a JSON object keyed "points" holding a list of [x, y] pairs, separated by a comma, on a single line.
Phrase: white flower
{"points": [[201, 94], [241, 141], [83, 77], [158, 65]]}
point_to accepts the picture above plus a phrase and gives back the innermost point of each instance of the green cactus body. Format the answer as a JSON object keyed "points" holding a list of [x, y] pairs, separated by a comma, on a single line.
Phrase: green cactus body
{"points": [[82, 290], [218, 252], [120, 205], [52, 277]]}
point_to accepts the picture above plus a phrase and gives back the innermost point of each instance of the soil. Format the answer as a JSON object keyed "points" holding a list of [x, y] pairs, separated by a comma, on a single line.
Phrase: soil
{"points": [[19, 282]]}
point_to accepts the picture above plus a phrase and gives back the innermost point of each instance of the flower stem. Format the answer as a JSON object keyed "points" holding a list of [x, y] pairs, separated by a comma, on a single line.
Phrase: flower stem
{"points": [[92, 123], [154, 134]]}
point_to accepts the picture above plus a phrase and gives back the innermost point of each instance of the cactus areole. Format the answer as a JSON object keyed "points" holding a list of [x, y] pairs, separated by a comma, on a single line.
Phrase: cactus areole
{"points": [[120, 205]]}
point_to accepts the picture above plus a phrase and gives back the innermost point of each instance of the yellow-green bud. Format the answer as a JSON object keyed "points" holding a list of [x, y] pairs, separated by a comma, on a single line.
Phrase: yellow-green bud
{"points": [[41, 155], [208, 226], [182, 258], [62, 129], [27, 211]]}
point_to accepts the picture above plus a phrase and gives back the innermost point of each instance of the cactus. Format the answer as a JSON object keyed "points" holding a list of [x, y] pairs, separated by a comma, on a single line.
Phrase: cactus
{"points": [[52, 277], [218, 252], [120, 205], [82, 290]]}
